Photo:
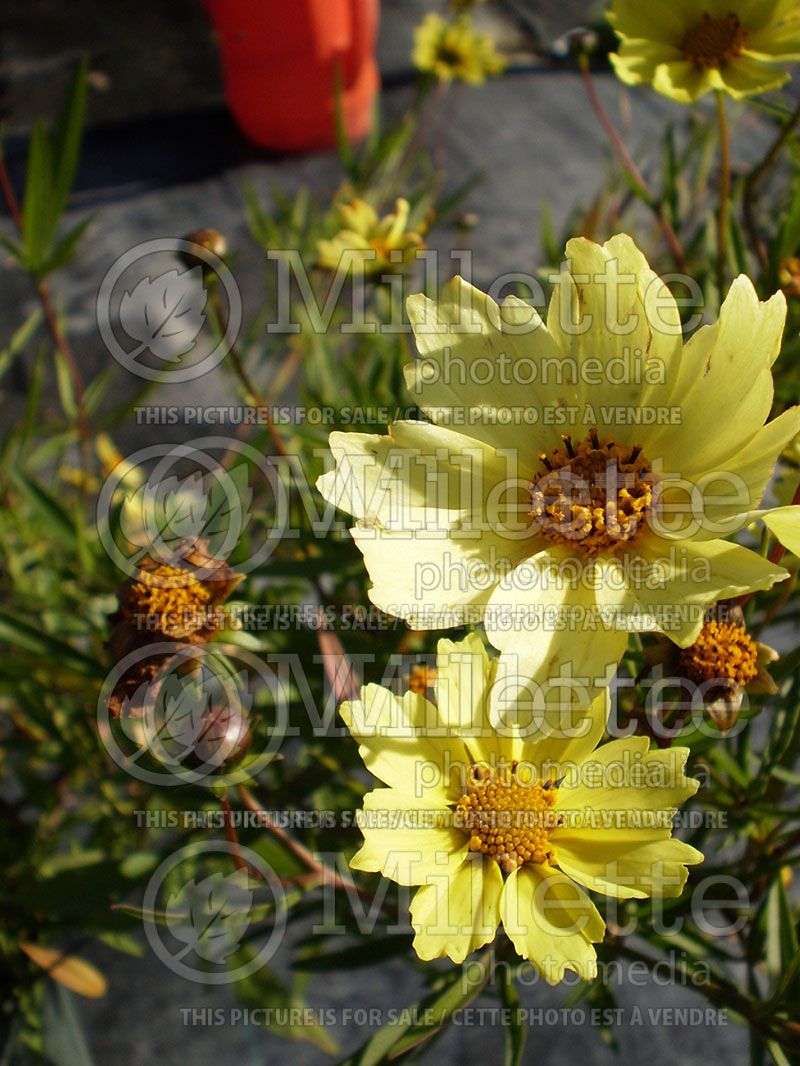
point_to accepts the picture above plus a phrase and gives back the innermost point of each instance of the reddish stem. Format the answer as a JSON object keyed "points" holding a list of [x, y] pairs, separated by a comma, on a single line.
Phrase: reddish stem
{"points": [[233, 840], [624, 156], [318, 869]]}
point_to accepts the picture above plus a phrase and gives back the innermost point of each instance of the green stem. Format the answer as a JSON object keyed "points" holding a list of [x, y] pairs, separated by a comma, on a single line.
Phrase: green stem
{"points": [[724, 191], [57, 335], [753, 184], [252, 393]]}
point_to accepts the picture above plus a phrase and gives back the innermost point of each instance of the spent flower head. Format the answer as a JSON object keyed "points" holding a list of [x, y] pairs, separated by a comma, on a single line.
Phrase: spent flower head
{"points": [[173, 601], [723, 664]]}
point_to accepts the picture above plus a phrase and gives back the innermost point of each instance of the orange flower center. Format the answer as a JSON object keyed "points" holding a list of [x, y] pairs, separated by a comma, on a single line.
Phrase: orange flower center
{"points": [[723, 652], [506, 819], [172, 597], [381, 248], [421, 678], [594, 496], [714, 41]]}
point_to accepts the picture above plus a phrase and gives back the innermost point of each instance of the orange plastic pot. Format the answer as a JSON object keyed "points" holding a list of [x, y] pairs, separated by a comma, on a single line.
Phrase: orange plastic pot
{"points": [[281, 60]]}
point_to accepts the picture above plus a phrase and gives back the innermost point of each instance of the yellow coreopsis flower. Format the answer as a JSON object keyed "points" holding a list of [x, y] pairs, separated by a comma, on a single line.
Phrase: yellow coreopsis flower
{"points": [[511, 826], [580, 476], [369, 243], [685, 48], [455, 51]]}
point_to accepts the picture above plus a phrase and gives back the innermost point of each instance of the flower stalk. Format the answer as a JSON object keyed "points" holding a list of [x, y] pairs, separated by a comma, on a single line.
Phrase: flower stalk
{"points": [[724, 191]]}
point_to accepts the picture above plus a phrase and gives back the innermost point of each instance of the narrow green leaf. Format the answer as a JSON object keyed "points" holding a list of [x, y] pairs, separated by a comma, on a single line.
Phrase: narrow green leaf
{"points": [[370, 953], [374, 132], [21, 634], [781, 935], [515, 1030], [19, 341], [64, 1043], [61, 253], [14, 249], [66, 388], [408, 1032], [37, 204], [550, 247], [67, 139], [778, 1055], [345, 149], [49, 509]]}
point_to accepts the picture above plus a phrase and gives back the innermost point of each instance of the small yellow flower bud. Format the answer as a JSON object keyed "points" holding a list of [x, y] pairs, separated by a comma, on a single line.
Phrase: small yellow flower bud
{"points": [[789, 276], [211, 239]]}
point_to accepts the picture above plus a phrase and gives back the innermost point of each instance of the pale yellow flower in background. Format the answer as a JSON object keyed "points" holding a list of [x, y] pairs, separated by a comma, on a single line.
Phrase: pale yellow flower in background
{"points": [[512, 829], [368, 242], [579, 476], [686, 48], [455, 51]]}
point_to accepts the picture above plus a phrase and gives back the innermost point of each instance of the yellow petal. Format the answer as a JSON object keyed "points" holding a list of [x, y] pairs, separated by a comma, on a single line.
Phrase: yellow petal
{"points": [[568, 737], [455, 914], [683, 81], [406, 839], [388, 479], [754, 14], [479, 360], [752, 468], [551, 921], [71, 972], [544, 617], [404, 743], [431, 529], [655, 22], [358, 216], [609, 781], [619, 325], [724, 368], [784, 523], [464, 678], [681, 579], [749, 75], [627, 869], [776, 42], [637, 60]]}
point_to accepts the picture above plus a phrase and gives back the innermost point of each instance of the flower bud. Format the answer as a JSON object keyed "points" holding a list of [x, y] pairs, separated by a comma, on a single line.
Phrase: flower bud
{"points": [[210, 239], [223, 737], [789, 276]]}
